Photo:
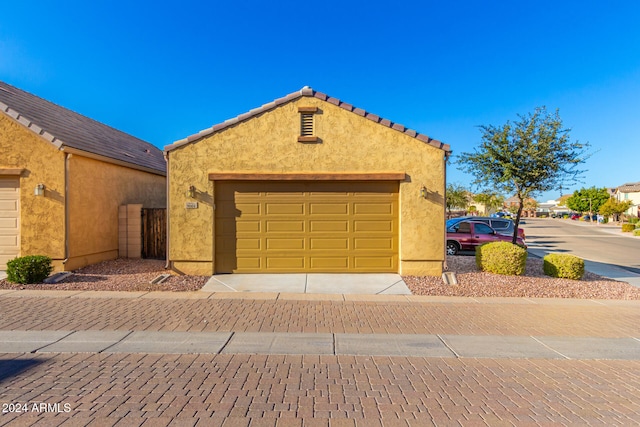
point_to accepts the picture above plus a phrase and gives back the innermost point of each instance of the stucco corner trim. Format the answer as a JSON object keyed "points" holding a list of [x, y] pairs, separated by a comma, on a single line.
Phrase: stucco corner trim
{"points": [[308, 176]]}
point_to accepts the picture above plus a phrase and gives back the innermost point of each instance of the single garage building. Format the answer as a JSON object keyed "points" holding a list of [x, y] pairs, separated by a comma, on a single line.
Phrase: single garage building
{"points": [[307, 183]]}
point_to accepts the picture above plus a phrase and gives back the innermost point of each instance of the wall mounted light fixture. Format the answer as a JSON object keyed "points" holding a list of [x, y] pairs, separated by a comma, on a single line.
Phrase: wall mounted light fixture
{"points": [[39, 190], [191, 192], [423, 192]]}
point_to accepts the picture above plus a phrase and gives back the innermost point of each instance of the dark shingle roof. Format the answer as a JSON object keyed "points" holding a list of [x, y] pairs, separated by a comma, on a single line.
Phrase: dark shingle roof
{"points": [[65, 128], [307, 91]]}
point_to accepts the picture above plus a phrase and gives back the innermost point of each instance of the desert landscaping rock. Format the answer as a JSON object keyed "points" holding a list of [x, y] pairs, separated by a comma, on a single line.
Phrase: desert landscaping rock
{"points": [[135, 275]]}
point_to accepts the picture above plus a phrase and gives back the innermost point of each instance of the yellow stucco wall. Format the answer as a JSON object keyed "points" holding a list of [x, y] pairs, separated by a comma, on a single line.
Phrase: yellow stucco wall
{"points": [[96, 189], [268, 143], [42, 221]]}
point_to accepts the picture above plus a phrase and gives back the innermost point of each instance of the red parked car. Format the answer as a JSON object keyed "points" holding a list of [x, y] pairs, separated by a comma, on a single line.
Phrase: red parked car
{"points": [[467, 235]]}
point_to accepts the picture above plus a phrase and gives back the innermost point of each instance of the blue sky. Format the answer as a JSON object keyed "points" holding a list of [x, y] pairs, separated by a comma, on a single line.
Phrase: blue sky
{"points": [[164, 70]]}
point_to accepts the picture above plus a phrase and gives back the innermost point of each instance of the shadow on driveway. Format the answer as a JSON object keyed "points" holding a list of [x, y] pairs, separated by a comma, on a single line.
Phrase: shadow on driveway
{"points": [[14, 367]]}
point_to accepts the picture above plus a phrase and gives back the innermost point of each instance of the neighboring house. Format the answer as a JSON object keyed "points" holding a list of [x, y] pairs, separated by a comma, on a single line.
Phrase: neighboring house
{"points": [[307, 183], [629, 192], [63, 177], [528, 210]]}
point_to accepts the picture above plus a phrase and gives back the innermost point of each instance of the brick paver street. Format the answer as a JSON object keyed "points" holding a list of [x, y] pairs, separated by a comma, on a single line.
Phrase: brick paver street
{"points": [[325, 390]]}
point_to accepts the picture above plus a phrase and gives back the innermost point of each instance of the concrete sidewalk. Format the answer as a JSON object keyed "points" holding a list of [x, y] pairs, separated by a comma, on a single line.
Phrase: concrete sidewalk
{"points": [[334, 344], [311, 283]]}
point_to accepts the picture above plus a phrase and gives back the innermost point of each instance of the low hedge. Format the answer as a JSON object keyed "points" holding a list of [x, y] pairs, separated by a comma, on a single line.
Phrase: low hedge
{"points": [[563, 266], [636, 232], [501, 258], [628, 227], [29, 269]]}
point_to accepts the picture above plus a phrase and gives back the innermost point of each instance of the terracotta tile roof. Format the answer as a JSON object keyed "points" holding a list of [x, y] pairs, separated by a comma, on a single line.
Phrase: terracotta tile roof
{"points": [[65, 128], [631, 187], [307, 91]]}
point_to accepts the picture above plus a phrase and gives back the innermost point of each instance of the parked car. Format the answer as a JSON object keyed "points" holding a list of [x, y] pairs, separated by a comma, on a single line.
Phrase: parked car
{"points": [[467, 235], [501, 225], [575, 216]]}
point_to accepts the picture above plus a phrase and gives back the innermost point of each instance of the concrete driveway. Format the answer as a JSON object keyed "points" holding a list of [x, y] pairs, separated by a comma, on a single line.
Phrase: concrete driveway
{"points": [[3, 274], [317, 283]]}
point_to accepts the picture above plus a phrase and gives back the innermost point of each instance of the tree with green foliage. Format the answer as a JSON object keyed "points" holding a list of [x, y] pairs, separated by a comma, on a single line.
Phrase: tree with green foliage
{"points": [[532, 155], [588, 200], [490, 199], [614, 208], [457, 197]]}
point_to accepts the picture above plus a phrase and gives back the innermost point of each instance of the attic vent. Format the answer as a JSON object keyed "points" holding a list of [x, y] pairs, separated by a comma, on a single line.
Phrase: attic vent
{"points": [[306, 124], [307, 128]]}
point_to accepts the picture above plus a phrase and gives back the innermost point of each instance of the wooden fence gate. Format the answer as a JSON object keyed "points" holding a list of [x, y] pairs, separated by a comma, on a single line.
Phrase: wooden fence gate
{"points": [[154, 233]]}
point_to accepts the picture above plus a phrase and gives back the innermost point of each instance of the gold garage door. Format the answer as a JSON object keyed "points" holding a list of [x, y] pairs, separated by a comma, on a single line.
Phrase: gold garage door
{"points": [[9, 220], [290, 227]]}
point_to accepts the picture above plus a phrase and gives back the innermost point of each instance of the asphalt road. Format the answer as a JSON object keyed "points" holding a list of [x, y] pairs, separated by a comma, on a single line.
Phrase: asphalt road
{"points": [[599, 243]]}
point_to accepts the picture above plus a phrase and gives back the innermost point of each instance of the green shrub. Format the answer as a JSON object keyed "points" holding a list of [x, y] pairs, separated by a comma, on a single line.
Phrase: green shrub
{"points": [[29, 269], [636, 232], [634, 220], [627, 227], [501, 258], [564, 266]]}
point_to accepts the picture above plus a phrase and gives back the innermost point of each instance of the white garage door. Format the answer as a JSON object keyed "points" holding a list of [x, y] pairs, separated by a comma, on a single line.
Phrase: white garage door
{"points": [[9, 219]]}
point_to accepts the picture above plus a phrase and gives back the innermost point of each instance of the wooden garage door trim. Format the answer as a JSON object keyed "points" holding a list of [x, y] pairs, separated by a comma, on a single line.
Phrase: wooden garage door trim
{"points": [[306, 226], [307, 176]]}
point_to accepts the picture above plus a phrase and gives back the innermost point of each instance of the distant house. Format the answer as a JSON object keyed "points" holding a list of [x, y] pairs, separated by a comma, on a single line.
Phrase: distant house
{"points": [[529, 209], [307, 183], [63, 177], [629, 192]]}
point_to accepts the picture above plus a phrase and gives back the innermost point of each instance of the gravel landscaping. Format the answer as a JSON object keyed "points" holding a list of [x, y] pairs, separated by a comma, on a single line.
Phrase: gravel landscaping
{"points": [[135, 275], [119, 275], [533, 284]]}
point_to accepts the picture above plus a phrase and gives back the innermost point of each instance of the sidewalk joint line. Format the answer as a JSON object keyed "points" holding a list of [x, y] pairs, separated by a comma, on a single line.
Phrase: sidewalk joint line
{"points": [[552, 349], [597, 302], [224, 284], [449, 347], [333, 343], [388, 287], [227, 342], [115, 343], [55, 342], [306, 282]]}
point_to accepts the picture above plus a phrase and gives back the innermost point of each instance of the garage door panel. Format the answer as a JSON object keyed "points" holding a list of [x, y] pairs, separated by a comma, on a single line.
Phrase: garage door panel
{"points": [[245, 209], [372, 208], [8, 205], [320, 226], [329, 263], [372, 263], [285, 226], [7, 224], [328, 208], [280, 244], [308, 226], [372, 226], [244, 226], [247, 263], [247, 244], [322, 244], [285, 263], [373, 244], [284, 208]]}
